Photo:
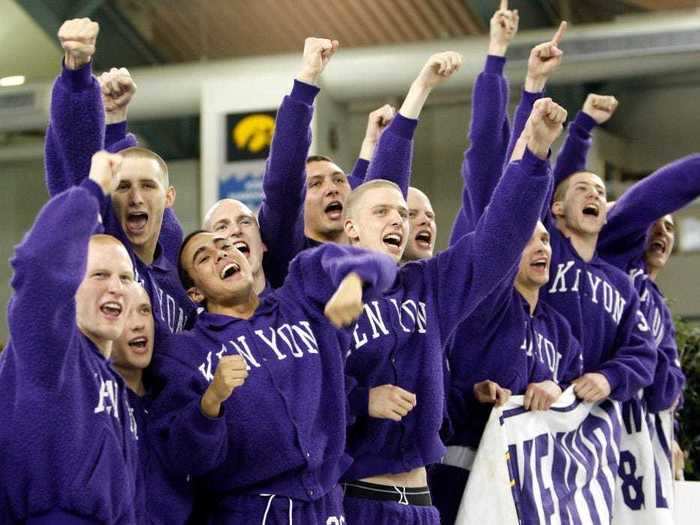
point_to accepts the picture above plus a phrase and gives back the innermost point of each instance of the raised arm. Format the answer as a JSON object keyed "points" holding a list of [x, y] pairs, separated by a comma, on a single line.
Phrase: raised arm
{"points": [[76, 122], [482, 259], [393, 157], [597, 110], [378, 121], [285, 173], [49, 266], [118, 89], [665, 191]]}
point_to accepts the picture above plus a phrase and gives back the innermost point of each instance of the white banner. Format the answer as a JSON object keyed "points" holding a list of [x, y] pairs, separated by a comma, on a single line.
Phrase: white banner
{"points": [[577, 463]]}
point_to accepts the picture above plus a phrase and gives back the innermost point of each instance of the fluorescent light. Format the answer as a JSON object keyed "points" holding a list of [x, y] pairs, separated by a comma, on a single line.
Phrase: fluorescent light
{"points": [[15, 80]]}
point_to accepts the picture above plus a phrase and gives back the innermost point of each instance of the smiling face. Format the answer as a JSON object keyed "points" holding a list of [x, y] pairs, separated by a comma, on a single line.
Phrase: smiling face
{"points": [[102, 299], [378, 219], [134, 348], [422, 227], [235, 221], [659, 245], [220, 273], [580, 205], [140, 200], [326, 189], [533, 270]]}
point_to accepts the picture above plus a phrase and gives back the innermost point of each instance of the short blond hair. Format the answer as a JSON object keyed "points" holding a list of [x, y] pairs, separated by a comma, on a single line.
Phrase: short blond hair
{"points": [[355, 196], [137, 152]]}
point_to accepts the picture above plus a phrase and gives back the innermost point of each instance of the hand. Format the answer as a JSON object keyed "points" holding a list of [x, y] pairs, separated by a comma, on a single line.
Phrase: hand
{"points": [[541, 396], [103, 170], [78, 38], [591, 387], [346, 304], [231, 372], [491, 392], [599, 107], [378, 121], [317, 54], [118, 89], [504, 26], [390, 402], [544, 126], [438, 68], [678, 457], [544, 59]]}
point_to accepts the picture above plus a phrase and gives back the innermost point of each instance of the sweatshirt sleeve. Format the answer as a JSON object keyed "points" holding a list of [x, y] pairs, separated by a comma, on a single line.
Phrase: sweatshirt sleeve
{"points": [[573, 153], [187, 441], [468, 271], [284, 181], [76, 128], [359, 172], [117, 138], [393, 157], [665, 191], [489, 132], [49, 265], [315, 274], [522, 113], [632, 365], [669, 378]]}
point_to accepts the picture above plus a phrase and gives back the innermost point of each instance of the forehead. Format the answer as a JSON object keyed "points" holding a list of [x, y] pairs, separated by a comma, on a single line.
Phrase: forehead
{"points": [[418, 200], [540, 229], [201, 240], [382, 196], [110, 255], [586, 178], [229, 209], [139, 296], [666, 219], [133, 167], [322, 168]]}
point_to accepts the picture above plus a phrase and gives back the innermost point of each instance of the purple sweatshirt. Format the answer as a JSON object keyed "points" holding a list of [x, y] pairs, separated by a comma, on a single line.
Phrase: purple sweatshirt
{"points": [[284, 183], [399, 339], [76, 131], [68, 437], [490, 142], [624, 238], [283, 431]]}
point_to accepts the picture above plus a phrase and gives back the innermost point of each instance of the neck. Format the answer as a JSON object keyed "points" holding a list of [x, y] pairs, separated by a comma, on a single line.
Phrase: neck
{"points": [[337, 237], [240, 310], [530, 293], [146, 252], [584, 243], [104, 346], [133, 377], [653, 272], [259, 282]]}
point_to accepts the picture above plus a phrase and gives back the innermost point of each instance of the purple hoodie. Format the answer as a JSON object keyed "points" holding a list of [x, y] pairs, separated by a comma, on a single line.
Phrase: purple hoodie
{"points": [[68, 436], [76, 131], [283, 431], [399, 339], [284, 183]]}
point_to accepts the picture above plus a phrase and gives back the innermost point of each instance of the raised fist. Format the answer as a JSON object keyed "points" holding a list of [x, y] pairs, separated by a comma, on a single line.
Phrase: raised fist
{"points": [[78, 38], [231, 372], [544, 126], [103, 170], [504, 26], [544, 59], [599, 107], [390, 402], [346, 304], [378, 121], [439, 68], [118, 89], [490, 392], [317, 54]]}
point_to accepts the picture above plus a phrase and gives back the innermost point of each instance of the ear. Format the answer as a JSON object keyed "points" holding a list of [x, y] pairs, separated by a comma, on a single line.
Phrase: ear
{"points": [[264, 247], [558, 208], [195, 295], [351, 231], [170, 197]]}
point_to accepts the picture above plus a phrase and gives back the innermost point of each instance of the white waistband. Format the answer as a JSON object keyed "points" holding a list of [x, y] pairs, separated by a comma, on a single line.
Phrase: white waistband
{"points": [[462, 457]]}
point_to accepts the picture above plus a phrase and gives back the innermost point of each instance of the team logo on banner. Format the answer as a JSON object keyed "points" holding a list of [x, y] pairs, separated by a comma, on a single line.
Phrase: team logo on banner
{"points": [[576, 463]]}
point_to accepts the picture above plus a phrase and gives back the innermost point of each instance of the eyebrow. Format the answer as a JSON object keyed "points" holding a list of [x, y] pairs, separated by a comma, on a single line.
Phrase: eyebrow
{"points": [[197, 252]]}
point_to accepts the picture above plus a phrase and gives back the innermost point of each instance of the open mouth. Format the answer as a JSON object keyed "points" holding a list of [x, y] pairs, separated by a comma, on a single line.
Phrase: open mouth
{"points": [[229, 271], [136, 222], [139, 344], [658, 246], [424, 239], [111, 309], [540, 264], [393, 242], [591, 210], [242, 247], [334, 210]]}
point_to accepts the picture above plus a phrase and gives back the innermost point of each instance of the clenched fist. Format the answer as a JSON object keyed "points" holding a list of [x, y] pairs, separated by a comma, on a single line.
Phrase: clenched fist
{"points": [[118, 89], [591, 387], [541, 396], [439, 68], [78, 38], [544, 126], [346, 304], [103, 170], [491, 392], [231, 372], [390, 402], [317, 54], [599, 107]]}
